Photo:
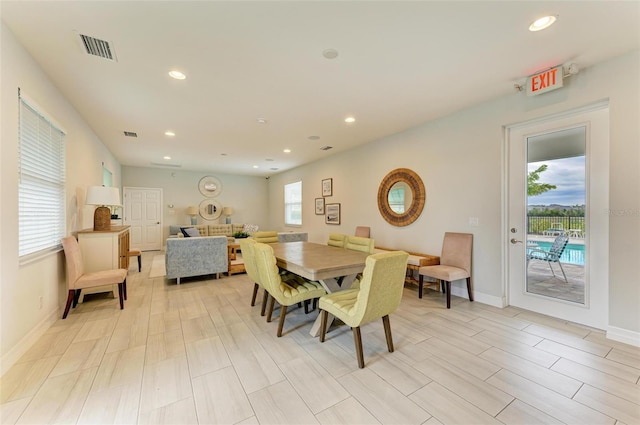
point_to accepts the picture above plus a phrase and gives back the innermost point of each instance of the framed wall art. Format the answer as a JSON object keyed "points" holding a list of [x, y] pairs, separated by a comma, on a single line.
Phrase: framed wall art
{"points": [[332, 214], [319, 206], [327, 187]]}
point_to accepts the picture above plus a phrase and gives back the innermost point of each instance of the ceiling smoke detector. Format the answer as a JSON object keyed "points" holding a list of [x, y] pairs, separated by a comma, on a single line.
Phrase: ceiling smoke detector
{"points": [[96, 47]]}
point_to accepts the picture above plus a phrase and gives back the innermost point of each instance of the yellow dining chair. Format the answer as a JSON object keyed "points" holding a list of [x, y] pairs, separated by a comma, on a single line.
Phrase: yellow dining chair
{"points": [[77, 279], [266, 236], [247, 246], [455, 263], [379, 295], [287, 293], [356, 243], [337, 240]]}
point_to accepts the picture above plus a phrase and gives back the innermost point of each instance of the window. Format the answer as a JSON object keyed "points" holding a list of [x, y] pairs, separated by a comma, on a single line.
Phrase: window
{"points": [[293, 204], [41, 192]]}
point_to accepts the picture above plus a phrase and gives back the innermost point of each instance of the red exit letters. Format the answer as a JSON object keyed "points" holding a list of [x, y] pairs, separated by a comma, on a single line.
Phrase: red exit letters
{"points": [[545, 81]]}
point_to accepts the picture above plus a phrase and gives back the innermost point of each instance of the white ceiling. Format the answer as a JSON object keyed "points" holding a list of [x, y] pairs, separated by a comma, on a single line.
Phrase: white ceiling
{"points": [[400, 64]]}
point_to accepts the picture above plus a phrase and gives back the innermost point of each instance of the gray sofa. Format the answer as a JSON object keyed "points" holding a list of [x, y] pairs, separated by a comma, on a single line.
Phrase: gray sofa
{"points": [[196, 256]]}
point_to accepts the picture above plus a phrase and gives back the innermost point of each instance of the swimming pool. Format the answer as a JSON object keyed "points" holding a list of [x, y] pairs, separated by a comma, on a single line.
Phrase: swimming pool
{"points": [[573, 254]]}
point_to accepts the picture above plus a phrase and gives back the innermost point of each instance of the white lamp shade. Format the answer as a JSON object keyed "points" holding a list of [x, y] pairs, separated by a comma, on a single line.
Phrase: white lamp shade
{"points": [[101, 195], [227, 211], [192, 211]]}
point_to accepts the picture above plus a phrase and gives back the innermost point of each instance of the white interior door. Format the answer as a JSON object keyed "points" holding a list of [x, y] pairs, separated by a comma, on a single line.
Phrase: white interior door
{"points": [[521, 143], [143, 212]]}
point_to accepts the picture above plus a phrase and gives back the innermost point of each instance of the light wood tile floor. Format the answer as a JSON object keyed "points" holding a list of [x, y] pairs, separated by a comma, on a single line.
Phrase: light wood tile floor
{"points": [[198, 353]]}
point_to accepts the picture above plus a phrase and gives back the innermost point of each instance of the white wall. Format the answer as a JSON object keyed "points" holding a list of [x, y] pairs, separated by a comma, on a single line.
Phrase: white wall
{"points": [[21, 318], [247, 195], [459, 158]]}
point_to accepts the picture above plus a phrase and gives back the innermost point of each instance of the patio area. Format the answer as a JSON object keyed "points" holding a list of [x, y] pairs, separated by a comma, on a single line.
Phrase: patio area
{"points": [[541, 281]]}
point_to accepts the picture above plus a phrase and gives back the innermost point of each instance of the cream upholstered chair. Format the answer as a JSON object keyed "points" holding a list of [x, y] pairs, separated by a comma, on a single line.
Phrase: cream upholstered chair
{"points": [[363, 231], [247, 246], [337, 240], [356, 243], [77, 279], [455, 263], [379, 295], [265, 236], [287, 293]]}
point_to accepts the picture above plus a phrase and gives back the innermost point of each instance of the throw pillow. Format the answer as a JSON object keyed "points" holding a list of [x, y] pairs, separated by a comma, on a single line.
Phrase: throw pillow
{"points": [[190, 232], [250, 228]]}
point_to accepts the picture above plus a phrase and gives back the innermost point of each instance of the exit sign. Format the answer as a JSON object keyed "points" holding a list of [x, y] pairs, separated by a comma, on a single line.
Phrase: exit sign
{"points": [[543, 82]]}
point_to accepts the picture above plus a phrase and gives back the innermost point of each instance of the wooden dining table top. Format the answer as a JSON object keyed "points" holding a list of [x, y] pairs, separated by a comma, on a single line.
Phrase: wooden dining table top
{"points": [[316, 261]]}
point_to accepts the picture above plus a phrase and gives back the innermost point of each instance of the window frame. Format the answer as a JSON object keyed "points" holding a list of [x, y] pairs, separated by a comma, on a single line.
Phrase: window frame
{"points": [[289, 203], [41, 182]]}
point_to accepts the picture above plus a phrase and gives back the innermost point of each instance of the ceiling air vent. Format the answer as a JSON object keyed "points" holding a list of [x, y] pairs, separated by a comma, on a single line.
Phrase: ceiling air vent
{"points": [[166, 165], [326, 148], [130, 134], [96, 47]]}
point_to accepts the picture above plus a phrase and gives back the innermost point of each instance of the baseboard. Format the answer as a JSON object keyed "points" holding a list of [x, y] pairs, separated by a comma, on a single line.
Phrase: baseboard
{"points": [[478, 296], [623, 335], [11, 357]]}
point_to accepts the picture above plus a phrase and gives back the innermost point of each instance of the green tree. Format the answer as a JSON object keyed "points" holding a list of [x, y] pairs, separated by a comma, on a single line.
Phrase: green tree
{"points": [[533, 187]]}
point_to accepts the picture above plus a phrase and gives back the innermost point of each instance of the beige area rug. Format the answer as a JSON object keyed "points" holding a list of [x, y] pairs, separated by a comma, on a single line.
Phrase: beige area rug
{"points": [[157, 266]]}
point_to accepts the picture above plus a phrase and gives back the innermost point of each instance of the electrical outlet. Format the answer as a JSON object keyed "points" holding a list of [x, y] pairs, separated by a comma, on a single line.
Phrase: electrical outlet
{"points": [[474, 221], [40, 304]]}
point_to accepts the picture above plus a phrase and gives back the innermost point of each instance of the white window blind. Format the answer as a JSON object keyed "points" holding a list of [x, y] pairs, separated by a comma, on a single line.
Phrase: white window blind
{"points": [[293, 204], [41, 193]]}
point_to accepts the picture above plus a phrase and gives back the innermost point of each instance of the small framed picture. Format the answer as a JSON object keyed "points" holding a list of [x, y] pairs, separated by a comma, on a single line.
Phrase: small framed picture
{"points": [[319, 206], [332, 214], [327, 187]]}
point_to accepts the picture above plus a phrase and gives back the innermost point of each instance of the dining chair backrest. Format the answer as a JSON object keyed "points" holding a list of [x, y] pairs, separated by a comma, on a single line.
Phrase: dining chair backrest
{"points": [[336, 239], [266, 236], [247, 246], [268, 272], [356, 243], [457, 250], [381, 286], [73, 256]]}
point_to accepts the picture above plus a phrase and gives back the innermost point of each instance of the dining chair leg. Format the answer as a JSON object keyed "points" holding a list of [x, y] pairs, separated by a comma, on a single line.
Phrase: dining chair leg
{"points": [[323, 324], [139, 263], [124, 285], [255, 293], [283, 313], [448, 285], [442, 285], [357, 338], [263, 308], [420, 285], [76, 297], [121, 294], [469, 289], [69, 301], [270, 309], [387, 332]]}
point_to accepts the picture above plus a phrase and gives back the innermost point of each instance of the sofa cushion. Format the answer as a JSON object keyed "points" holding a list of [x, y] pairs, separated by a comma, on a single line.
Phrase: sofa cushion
{"points": [[190, 232]]}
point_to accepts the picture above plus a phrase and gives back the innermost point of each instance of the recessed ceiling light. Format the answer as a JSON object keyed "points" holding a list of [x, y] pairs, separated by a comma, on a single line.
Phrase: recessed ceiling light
{"points": [[287, 151], [167, 158], [313, 137], [349, 120], [169, 133], [542, 23], [262, 120], [177, 75], [255, 166], [330, 53]]}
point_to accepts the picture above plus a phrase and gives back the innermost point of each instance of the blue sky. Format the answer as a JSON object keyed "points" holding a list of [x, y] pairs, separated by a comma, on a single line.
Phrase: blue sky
{"points": [[568, 174]]}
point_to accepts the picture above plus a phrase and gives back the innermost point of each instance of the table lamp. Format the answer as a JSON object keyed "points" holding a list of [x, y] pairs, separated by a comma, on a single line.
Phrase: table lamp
{"points": [[104, 197], [193, 212], [227, 211]]}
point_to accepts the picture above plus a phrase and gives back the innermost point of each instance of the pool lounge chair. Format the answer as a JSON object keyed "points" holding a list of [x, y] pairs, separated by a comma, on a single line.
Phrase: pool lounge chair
{"points": [[552, 255]]}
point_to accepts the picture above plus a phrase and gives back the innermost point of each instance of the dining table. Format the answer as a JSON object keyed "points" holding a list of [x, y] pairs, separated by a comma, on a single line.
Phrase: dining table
{"points": [[335, 268]]}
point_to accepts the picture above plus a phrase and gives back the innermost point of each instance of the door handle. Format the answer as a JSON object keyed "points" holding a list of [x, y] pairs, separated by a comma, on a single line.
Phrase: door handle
{"points": [[515, 241]]}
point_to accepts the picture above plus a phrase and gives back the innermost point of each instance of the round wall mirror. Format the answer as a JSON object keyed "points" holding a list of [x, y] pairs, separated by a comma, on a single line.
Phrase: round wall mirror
{"points": [[401, 197]]}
